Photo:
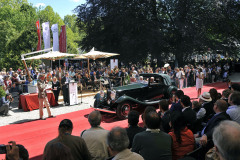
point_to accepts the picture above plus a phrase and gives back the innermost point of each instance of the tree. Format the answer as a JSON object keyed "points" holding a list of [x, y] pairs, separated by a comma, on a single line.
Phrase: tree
{"points": [[182, 27], [126, 27]]}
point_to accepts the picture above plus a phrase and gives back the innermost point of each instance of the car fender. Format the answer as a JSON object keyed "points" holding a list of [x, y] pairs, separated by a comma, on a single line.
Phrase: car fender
{"points": [[170, 89], [125, 98]]}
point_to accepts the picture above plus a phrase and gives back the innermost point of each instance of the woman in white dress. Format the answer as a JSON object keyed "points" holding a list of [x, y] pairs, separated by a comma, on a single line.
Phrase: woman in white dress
{"points": [[199, 81]]}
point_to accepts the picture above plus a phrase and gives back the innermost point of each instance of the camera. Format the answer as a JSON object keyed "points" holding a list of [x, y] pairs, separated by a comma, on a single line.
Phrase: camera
{"points": [[3, 149], [10, 98]]}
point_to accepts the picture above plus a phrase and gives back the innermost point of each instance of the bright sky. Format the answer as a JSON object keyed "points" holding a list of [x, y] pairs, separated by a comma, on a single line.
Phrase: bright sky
{"points": [[62, 7]]}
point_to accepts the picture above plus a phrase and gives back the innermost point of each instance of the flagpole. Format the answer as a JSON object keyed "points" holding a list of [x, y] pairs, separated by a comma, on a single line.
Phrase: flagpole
{"points": [[40, 35]]}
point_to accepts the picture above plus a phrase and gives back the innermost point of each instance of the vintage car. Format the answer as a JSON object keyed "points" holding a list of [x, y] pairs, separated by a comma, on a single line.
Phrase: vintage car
{"points": [[148, 91]]}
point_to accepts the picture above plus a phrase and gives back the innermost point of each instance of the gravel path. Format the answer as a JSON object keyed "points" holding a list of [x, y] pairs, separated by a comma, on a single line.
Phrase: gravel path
{"points": [[18, 115]]}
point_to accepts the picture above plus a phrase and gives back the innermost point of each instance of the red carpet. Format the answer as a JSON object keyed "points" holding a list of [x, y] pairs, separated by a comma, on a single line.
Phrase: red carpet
{"points": [[35, 134]]}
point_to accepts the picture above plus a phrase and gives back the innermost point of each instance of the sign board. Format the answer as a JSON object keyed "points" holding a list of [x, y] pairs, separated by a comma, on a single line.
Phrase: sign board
{"points": [[73, 93], [113, 63], [32, 88]]}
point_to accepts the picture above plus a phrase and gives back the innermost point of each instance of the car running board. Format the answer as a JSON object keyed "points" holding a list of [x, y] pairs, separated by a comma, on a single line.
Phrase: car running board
{"points": [[105, 110]]}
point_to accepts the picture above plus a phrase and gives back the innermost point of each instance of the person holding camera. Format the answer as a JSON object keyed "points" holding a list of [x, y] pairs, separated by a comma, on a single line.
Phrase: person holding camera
{"points": [[14, 151], [5, 101]]}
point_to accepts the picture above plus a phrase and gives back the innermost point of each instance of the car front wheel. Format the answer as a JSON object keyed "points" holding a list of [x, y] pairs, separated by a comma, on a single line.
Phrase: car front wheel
{"points": [[123, 109]]}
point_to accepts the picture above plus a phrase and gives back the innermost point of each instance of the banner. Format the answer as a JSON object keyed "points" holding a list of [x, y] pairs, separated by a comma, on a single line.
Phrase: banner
{"points": [[113, 63], [39, 35], [46, 35], [54, 29], [63, 40]]}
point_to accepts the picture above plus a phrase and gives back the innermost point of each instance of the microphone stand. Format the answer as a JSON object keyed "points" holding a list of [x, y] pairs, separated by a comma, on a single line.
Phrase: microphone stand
{"points": [[81, 94]]}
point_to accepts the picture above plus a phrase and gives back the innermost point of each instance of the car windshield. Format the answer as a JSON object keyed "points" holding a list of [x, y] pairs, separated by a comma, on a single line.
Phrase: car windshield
{"points": [[153, 80]]}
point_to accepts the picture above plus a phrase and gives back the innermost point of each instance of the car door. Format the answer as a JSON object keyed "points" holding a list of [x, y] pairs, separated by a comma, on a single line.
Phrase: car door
{"points": [[156, 90]]}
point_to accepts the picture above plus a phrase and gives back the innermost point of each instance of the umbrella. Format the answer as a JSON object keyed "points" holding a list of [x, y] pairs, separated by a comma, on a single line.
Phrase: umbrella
{"points": [[53, 55], [166, 65], [80, 56], [98, 54]]}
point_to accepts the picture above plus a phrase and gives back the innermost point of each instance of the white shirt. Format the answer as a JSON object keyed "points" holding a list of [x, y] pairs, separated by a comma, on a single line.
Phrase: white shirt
{"points": [[179, 74]]}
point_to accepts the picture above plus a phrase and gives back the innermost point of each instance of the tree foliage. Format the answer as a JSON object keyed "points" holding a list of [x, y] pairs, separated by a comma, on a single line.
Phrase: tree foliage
{"points": [[135, 28], [18, 32]]}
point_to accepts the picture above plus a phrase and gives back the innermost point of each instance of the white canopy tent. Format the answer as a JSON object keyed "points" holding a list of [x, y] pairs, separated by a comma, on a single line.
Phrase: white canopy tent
{"points": [[52, 55], [93, 54]]}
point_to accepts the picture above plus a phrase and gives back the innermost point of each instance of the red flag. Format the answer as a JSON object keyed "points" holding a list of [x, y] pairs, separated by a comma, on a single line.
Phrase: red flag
{"points": [[63, 40], [39, 35]]}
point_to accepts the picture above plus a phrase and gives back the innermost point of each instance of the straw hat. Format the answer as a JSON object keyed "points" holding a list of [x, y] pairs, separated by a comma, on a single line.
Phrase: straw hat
{"points": [[206, 97]]}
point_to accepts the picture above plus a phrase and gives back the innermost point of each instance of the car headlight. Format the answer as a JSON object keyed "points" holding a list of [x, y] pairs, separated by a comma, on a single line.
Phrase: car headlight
{"points": [[113, 95]]}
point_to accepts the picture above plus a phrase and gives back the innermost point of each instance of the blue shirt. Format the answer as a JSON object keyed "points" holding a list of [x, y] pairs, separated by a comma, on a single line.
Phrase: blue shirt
{"points": [[3, 101], [234, 113]]}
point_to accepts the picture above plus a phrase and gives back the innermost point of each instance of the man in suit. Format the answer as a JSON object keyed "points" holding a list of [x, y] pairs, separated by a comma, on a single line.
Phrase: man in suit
{"points": [[165, 116], [133, 129], [65, 82], [59, 74], [98, 73], [220, 107], [153, 144], [176, 105]]}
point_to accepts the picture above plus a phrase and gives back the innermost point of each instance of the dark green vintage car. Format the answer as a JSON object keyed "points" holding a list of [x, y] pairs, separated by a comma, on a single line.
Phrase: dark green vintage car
{"points": [[149, 90]]}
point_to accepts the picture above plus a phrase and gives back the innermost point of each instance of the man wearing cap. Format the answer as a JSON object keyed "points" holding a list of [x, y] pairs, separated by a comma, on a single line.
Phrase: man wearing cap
{"points": [[206, 101], [42, 96], [76, 144]]}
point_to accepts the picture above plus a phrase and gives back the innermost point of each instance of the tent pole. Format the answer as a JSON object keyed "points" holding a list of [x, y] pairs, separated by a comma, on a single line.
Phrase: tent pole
{"points": [[88, 68]]}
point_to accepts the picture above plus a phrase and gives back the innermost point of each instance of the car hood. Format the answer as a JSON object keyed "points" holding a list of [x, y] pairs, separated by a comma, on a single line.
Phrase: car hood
{"points": [[130, 87]]}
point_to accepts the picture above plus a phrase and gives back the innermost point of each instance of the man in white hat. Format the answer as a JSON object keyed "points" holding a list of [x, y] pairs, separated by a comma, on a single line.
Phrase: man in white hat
{"points": [[207, 103]]}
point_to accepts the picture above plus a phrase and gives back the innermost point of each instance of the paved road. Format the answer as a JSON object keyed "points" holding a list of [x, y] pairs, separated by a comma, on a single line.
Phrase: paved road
{"points": [[19, 116]]}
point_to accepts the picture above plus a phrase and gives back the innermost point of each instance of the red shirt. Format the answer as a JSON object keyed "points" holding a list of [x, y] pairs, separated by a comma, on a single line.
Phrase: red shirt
{"points": [[187, 145]]}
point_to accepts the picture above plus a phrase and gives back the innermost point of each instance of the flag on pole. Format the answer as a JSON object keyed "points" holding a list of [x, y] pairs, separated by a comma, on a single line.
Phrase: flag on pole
{"points": [[39, 35], [63, 40], [54, 29], [46, 35]]}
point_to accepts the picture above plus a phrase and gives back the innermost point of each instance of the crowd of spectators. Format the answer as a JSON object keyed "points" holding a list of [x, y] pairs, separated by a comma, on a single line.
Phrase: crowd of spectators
{"points": [[124, 74], [16, 81], [171, 133], [184, 129]]}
